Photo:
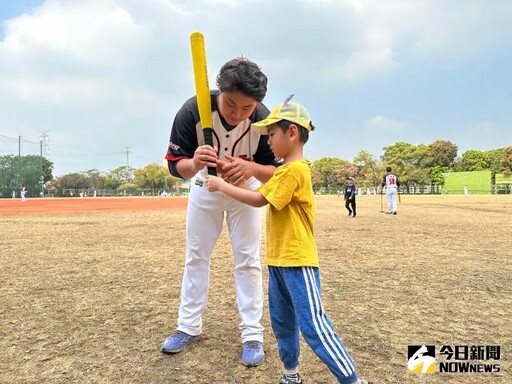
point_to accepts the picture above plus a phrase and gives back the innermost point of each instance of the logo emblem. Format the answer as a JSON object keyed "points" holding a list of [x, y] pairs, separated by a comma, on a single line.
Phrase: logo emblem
{"points": [[421, 359]]}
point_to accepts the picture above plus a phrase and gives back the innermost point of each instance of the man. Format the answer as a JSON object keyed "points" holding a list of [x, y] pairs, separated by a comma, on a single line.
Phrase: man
{"points": [[390, 181], [243, 158]]}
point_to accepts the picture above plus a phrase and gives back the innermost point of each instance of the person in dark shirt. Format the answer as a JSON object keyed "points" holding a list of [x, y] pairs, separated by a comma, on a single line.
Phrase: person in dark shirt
{"points": [[350, 197]]}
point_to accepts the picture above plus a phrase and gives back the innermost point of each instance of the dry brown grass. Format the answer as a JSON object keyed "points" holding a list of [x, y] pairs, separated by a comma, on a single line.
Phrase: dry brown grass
{"points": [[88, 297]]}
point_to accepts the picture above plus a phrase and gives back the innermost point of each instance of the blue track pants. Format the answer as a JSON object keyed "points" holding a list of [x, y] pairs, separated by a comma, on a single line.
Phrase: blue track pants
{"points": [[295, 305]]}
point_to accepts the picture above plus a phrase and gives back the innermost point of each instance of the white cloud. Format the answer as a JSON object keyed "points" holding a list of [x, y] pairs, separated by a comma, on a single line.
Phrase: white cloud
{"points": [[121, 68], [365, 63], [382, 123], [88, 32]]}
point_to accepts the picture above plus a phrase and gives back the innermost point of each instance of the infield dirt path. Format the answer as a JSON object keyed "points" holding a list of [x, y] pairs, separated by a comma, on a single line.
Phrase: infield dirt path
{"points": [[90, 204]]}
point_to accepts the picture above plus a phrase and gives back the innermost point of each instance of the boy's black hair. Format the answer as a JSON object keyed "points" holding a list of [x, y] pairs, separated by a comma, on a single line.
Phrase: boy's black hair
{"points": [[242, 75], [303, 132], [388, 169]]}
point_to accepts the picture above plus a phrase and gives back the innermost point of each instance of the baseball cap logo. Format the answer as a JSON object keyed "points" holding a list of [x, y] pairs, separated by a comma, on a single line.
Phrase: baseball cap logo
{"points": [[421, 359]]}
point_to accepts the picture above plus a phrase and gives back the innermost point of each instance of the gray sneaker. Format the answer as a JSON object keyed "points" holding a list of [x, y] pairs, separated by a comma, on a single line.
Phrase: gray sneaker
{"points": [[291, 379]]}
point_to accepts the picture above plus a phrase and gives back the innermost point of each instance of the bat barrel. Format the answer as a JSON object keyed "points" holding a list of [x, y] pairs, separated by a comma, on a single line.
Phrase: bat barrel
{"points": [[202, 89]]}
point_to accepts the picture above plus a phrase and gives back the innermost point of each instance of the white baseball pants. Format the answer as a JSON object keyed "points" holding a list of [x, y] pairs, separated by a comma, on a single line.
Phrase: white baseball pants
{"points": [[205, 216], [391, 197]]}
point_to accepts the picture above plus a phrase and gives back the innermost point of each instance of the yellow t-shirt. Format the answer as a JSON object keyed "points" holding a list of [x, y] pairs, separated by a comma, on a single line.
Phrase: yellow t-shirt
{"points": [[290, 217]]}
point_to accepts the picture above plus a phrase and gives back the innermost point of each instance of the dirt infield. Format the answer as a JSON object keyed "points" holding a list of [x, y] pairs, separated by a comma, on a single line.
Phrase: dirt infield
{"points": [[104, 204]]}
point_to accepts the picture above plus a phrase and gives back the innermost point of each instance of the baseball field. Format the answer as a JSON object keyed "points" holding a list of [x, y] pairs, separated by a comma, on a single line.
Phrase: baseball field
{"points": [[89, 288]]}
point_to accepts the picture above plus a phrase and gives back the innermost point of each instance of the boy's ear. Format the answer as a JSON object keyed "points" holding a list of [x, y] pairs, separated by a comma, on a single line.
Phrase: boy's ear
{"points": [[294, 131]]}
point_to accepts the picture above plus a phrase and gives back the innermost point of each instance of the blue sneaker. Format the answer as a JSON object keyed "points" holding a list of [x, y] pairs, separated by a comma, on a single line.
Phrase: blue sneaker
{"points": [[253, 353], [177, 342]]}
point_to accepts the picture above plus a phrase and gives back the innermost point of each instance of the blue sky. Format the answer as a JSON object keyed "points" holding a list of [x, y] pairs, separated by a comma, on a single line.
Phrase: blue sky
{"points": [[103, 79]]}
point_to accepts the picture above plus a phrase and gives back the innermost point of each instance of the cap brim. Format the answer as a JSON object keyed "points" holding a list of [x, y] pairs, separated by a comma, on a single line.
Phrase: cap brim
{"points": [[261, 126]]}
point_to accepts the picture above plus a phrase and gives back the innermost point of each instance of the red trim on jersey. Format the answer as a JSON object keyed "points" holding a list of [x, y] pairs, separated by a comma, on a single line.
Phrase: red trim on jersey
{"points": [[240, 138], [252, 118], [173, 158]]}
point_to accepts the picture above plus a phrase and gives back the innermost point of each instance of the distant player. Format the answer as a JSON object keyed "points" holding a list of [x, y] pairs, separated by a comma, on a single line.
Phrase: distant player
{"points": [[390, 181], [350, 197], [23, 193]]}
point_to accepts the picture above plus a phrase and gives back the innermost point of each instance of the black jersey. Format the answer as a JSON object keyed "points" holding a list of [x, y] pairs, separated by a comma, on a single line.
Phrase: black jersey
{"points": [[350, 191], [240, 141]]}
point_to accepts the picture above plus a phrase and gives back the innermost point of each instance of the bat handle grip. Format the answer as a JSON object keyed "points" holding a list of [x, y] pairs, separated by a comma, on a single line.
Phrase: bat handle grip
{"points": [[208, 140], [212, 171]]}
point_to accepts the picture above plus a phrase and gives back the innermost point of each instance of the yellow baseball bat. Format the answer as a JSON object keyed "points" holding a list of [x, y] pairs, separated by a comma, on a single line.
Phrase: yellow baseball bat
{"points": [[202, 89]]}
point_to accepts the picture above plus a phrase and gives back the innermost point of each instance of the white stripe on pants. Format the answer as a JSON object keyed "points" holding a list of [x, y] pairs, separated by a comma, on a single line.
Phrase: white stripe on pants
{"points": [[295, 304], [205, 216]]}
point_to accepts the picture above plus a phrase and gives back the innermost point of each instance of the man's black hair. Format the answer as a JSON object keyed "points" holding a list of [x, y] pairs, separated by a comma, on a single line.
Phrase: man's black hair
{"points": [[242, 75]]}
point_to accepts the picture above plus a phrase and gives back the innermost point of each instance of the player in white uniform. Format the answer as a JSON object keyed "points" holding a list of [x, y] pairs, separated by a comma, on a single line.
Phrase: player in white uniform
{"points": [[390, 181], [242, 157], [23, 193]]}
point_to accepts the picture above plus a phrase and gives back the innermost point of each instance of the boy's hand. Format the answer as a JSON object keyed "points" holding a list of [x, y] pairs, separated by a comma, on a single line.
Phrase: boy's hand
{"points": [[214, 183]]}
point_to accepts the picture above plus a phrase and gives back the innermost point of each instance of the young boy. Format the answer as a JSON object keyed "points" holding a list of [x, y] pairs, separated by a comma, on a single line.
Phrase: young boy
{"points": [[292, 258], [350, 197]]}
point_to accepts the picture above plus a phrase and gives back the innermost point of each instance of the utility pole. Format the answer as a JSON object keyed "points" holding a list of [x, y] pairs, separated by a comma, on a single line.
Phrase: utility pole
{"points": [[127, 153], [20, 177], [43, 143], [45, 139], [41, 180]]}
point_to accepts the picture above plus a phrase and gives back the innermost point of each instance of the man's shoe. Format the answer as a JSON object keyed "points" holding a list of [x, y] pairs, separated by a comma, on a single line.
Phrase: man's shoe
{"points": [[291, 379], [252, 354], [177, 342], [394, 213]]}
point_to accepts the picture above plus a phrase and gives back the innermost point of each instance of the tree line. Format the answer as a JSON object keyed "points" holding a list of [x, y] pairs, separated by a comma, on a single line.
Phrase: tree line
{"points": [[416, 165]]}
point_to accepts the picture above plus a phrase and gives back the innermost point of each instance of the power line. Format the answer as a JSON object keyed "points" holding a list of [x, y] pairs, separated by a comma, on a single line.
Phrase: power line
{"points": [[67, 155]]}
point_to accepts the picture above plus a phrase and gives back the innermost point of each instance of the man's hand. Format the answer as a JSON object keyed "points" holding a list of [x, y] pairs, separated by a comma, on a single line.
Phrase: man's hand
{"points": [[237, 170], [204, 156]]}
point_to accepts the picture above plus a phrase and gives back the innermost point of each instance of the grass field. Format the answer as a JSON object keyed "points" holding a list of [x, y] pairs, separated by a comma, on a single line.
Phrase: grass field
{"points": [[477, 182], [87, 297]]}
